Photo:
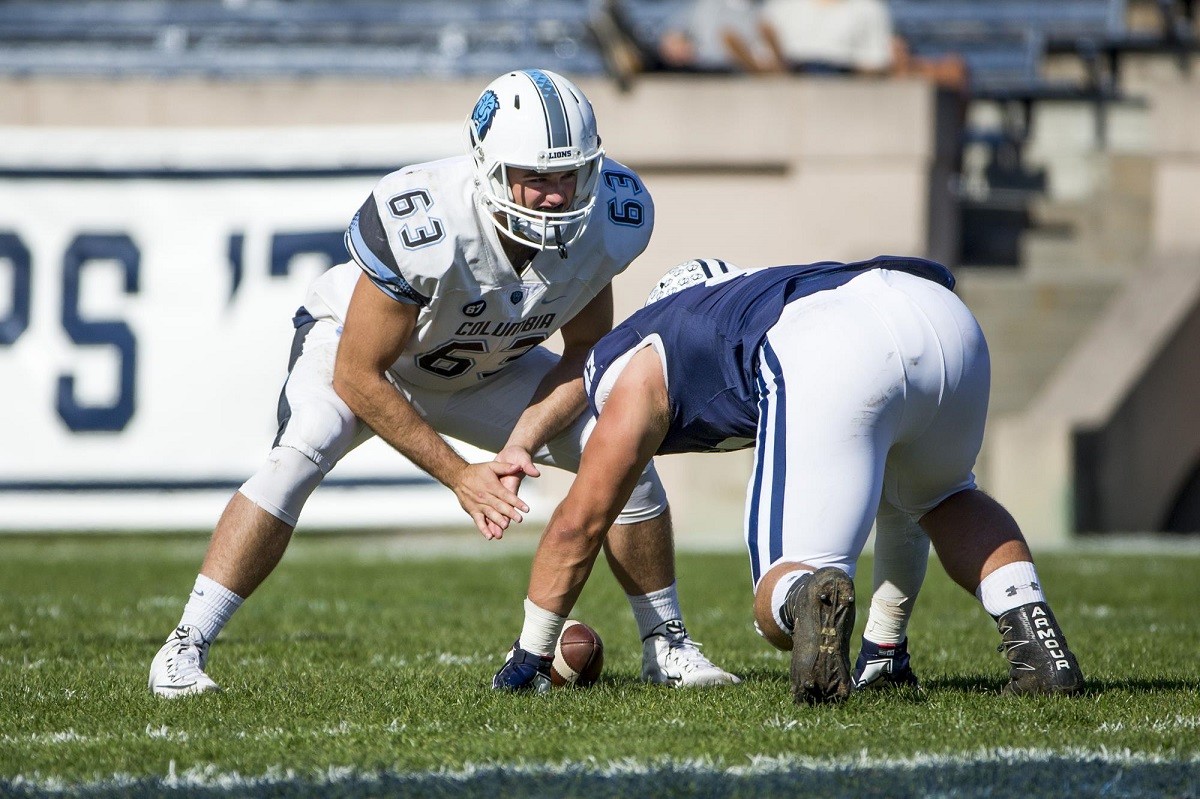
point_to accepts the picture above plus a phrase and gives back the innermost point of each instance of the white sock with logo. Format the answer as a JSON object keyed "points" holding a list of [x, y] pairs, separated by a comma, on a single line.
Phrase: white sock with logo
{"points": [[654, 609], [209, 607], [1010, 587]]}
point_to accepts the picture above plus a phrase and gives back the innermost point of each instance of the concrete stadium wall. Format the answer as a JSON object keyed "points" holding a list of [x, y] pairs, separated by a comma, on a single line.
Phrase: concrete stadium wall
{"points": [[1175, 109], [1114, 430], [1113, 436], [758, 171]]}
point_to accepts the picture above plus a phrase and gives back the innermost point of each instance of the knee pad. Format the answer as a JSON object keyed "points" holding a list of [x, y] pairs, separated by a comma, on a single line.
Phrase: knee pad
{"points": [[648, 500], [320, 429], [283, 484]]}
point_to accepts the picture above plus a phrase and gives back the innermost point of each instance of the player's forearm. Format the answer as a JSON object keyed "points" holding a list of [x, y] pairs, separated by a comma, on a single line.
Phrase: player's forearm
{"points": [[558, 401], [575, 535], [382, 408], [563, 561]]}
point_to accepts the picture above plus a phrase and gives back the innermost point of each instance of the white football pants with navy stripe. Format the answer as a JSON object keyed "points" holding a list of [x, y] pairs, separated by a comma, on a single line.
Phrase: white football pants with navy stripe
{"points": [[874, 391]]}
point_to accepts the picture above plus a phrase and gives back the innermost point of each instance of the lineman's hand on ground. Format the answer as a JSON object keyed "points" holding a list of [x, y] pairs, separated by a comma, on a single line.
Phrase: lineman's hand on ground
{"points": [[518, 456], [486, 500]]}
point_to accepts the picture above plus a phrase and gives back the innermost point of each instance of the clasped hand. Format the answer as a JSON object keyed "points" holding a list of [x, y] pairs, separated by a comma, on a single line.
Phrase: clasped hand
{"points": [[488, 491]]}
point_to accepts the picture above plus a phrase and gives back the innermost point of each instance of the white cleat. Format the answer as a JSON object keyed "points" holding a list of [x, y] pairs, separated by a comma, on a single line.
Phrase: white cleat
{"points": [[671, 657], [178, 668]]}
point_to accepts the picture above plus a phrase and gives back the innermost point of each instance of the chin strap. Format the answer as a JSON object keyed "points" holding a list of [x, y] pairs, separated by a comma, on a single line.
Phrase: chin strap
{"points": [[562, 248]]}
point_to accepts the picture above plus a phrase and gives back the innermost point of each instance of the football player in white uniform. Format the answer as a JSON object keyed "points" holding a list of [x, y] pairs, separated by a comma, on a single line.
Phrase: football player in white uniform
{"points": [[460, 270]]}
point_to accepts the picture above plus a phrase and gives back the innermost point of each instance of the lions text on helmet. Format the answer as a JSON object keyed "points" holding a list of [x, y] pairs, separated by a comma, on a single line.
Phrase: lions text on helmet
{"points": [[532, 135]]}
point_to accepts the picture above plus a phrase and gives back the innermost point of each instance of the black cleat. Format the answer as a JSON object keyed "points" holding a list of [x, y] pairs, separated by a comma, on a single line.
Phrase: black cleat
{"points": [[884, 666], [822, 607], [1037, 652]]}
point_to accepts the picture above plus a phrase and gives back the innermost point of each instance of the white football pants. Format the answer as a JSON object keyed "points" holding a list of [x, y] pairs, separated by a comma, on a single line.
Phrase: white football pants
{"points": [[876, 389]]}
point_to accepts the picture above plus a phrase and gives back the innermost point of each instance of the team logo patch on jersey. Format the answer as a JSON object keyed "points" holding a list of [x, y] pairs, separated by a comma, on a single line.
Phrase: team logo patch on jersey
{"points": [[474, 308], [484, 113], [516, 296]]}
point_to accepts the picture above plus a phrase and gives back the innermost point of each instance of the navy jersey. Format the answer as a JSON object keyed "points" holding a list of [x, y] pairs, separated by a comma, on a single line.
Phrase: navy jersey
{"points": [[709, 336]]}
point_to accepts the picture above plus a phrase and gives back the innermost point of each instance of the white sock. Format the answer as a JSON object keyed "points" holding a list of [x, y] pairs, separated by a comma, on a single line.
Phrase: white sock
{"points": [[540, 632], [779, 596], [209, 607], [1010, 587], [655, 609]]}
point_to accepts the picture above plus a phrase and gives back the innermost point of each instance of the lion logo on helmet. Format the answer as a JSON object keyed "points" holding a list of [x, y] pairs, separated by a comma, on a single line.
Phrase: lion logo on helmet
{"points": [[484, 113]]}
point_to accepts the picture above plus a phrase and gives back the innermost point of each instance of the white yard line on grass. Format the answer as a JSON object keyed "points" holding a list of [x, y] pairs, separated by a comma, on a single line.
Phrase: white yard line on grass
{"points": [[1115, 771]]}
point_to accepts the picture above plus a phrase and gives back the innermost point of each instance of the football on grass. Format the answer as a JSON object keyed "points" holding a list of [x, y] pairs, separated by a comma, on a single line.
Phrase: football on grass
{"points": [[578, 656]]}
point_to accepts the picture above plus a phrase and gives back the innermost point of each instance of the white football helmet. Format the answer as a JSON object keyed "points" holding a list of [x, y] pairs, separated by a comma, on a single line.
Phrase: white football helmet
{"points": [[689, 273], [539, 120]]}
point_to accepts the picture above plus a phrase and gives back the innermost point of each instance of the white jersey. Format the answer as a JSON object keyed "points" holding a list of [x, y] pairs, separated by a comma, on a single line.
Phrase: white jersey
{"points": [[422, 238]]}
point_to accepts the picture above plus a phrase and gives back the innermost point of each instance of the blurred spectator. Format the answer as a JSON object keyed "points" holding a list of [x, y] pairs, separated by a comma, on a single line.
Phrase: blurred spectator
{"points": [[624, 54], [850, 36], [846, 37], [714, 36], [949, 71]]}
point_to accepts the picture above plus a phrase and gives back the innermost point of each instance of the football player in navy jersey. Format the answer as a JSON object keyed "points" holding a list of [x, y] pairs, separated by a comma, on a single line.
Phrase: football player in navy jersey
{"points": [[460, 269], [863, 388]]}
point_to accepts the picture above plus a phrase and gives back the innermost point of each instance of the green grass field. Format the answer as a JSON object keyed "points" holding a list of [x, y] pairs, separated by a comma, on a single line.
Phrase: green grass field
{"points": [[361, 669]]}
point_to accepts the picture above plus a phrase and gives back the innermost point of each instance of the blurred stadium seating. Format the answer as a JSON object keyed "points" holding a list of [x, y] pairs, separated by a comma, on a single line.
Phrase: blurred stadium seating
{"points": [[1003, 41], [1006, 44], [256, 38]]}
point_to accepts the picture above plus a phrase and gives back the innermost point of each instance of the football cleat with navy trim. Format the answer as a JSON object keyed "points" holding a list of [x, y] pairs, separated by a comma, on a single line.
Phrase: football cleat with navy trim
{"points": [[884, 666], [1040, 663], [524, 671]]}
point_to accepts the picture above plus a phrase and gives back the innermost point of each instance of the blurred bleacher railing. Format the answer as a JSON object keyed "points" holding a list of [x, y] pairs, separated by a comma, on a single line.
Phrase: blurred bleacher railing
{"points": [[1005, 44]]}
